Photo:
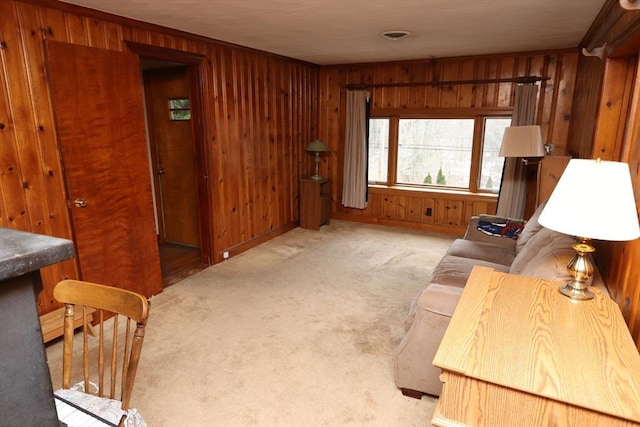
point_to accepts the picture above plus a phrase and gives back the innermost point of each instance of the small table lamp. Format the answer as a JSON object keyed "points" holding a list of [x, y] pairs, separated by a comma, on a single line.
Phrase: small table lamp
{"points": [[522, 141], [317, 146], [593, 199]]}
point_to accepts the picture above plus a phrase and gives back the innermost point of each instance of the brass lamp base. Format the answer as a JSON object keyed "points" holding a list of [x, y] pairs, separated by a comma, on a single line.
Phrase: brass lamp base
{"points": [[575, 292], [581, 268], [316, 176]]}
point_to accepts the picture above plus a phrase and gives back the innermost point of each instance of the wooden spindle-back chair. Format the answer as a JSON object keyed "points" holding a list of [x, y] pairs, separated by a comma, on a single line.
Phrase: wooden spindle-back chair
{"points": [[118, 306]]}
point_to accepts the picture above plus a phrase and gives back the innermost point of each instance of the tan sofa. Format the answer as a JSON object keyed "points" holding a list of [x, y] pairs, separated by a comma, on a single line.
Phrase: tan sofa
{"points": [[537, 252]]}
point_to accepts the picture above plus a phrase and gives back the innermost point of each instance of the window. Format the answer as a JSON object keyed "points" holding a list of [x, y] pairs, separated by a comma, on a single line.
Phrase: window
{"points": [[434, 151], [491, 165], [378, 149], [440, 152], [180, 109]]}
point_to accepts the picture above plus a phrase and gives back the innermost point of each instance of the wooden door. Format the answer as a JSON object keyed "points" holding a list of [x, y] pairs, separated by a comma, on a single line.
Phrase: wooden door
{"points": [[171, 135], [98, 103]]}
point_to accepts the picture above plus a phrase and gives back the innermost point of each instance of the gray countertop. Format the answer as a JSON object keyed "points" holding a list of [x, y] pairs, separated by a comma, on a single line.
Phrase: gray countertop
{"points": [[22, 252]]}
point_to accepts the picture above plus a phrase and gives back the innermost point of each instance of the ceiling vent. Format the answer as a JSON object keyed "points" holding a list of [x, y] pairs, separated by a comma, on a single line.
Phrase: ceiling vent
{"points": [[395, 35]]}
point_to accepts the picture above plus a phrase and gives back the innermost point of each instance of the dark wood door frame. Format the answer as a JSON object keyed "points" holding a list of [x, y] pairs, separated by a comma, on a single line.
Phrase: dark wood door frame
{"points": [[195, 71]]}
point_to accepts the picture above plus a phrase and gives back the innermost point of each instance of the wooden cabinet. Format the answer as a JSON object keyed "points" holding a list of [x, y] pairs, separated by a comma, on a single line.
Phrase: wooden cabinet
{"points": [[518, 353], [315, 203]]}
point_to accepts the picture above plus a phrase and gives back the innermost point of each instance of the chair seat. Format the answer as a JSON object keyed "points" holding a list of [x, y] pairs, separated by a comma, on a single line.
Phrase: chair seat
{"points": [[107, 409]]}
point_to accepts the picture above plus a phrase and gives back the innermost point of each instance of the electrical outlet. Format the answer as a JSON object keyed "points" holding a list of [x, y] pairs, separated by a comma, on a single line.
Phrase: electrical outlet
{"points": [[225, 254], [428, 212]]}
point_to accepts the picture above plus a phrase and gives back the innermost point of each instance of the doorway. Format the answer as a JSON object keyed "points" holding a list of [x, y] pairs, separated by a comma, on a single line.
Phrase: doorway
{"points": [[174, 166]]}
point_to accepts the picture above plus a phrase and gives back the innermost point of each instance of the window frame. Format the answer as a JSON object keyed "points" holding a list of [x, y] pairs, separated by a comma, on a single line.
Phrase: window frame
{"points": [[173, 110], [478, 115]]}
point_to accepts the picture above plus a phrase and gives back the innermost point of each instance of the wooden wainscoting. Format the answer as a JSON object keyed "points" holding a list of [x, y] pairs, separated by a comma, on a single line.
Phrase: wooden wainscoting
{"points": [[445, 212]]}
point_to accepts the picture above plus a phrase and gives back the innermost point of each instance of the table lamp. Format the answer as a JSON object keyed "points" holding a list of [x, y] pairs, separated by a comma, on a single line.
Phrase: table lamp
{"points": [[317, 146], [522, 141], [593, 199]]}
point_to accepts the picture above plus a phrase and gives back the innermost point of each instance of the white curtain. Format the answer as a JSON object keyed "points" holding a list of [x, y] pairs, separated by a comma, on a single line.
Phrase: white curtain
{"points": [[354, 187], [513, 189]]}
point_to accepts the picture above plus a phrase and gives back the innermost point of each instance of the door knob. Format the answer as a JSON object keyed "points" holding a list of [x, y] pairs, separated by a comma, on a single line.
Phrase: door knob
{"points": [[80, 202]]}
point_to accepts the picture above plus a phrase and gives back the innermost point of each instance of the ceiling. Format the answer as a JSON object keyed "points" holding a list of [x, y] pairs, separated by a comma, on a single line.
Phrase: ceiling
{"points": [[349, 31]]}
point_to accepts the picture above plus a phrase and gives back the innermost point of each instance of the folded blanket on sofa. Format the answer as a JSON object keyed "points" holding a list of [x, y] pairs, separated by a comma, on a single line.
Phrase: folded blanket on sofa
{"points": [[500, 226]]}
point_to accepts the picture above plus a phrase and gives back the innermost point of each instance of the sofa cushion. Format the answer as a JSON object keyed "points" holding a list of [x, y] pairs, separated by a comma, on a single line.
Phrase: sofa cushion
{"points": [[544, 237], [530, 229], [481, 251], [546, 244], [454, 270], [550, 264], [550, 260]]}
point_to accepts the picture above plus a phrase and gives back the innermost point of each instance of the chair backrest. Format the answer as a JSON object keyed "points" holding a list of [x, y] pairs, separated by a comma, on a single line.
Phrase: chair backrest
{"points": [[112, 306]]}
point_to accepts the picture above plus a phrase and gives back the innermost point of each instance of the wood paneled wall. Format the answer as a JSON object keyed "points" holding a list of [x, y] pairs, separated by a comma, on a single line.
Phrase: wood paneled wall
{"points": [[606, 124], [260, 111], [451, 210]]}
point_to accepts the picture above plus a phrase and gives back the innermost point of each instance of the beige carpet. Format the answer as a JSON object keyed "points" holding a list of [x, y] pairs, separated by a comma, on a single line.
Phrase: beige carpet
{"points": [[300, 331]]}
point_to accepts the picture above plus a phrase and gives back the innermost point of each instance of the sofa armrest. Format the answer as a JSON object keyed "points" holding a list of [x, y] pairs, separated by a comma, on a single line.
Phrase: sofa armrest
{"points": [[414, 369], [476, 235]]}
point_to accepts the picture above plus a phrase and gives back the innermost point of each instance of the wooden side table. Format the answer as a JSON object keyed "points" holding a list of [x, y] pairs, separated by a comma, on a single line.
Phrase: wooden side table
{"points": [[518, 353], [315, 203]]}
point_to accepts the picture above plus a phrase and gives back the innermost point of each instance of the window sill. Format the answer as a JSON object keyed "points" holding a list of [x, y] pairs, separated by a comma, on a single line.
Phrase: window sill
{"points": [[379, 188]]}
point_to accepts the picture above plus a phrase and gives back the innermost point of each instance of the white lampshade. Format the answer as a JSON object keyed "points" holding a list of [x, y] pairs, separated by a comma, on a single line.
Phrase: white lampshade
{"points": [[593, 199], [522, 141]]}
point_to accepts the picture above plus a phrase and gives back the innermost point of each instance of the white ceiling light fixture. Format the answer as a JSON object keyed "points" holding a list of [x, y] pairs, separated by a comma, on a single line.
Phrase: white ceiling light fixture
{"points": [[395, 34]]}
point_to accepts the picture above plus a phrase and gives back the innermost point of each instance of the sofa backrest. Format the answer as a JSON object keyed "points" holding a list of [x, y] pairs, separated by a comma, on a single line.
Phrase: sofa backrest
{"points": [[530, 229], [545, 255], [551, 262]]}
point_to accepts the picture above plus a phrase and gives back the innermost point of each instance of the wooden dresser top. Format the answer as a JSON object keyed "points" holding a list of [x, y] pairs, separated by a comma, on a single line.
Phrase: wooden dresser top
{"points": [[520, 332]]}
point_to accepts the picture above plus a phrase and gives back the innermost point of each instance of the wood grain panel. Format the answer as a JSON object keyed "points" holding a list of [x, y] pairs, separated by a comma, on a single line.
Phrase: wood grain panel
{"points": [[537, 371], [74, 28], [31, 201], [605, 124], [614, 102], [116, 228], [414, 209], [449, 213], [585, 106]]}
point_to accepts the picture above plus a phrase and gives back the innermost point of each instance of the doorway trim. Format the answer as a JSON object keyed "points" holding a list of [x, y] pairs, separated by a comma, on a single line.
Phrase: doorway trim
{"points": [[194, 63]]}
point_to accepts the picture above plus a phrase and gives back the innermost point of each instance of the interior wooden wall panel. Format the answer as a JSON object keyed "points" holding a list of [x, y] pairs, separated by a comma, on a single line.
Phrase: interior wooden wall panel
{"points": [[554, 111], [606, 124], [276, 115], [260, 112], [562, 112], [585, 106], [449, 212], [615, 97], [618, 125], [33, 202]]}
